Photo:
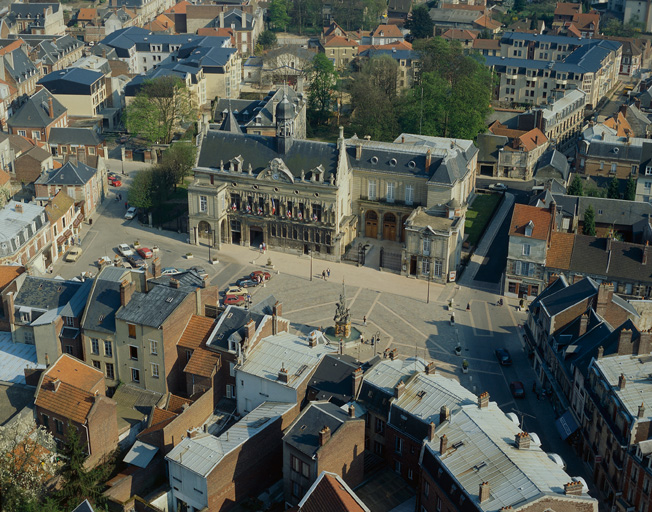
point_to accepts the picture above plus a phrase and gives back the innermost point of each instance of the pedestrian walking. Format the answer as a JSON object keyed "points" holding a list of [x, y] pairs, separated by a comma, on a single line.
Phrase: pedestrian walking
{"points": [[364, 320], [126, 205], [120, 197], [260, 248], [328, 272], [323, 275], [373, 341], [468, 306]]}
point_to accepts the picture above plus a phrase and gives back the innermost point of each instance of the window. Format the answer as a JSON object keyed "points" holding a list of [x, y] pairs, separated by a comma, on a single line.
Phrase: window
{"points": [[69, 349], [109, 371], [22, 133], [203, 203], [378, 448], [305, 470], [409, 194], [132, 330], [46, 421], [614, 167], [133, 352], [36, 135], [29, 337], [648, 186], [155, 370], [410, 474], [438, 269], [231, 369], [425, 267], [397, 467], [438, 504], [97, 364], [95, 346], [135, 375], [380, 426], [426, 247], [529, 228], [296, 463], [512, 287], [296, 490], [58, 424], [526, 249], [398, 445], [153, 347], [70, 321], [108, 348], [426, 489], [91, 150], [230, 391], [648, 170], [390, 191], [371, 189], [188, 355]]}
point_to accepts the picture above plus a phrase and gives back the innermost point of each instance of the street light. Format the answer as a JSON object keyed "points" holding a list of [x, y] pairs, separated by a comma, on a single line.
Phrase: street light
{"points": [[209, 232], [428, 239], [310, 252]]}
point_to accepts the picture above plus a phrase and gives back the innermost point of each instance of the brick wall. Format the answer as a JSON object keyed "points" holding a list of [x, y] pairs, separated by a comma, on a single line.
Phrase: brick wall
{"points": [[408, 457], [132, 481], [173, 328], [194, 416], [343, 454], [102, 429], [566, 317]]}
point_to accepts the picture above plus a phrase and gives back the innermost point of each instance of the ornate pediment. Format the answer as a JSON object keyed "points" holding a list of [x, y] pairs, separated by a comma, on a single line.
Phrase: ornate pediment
{"points": [[277, 171]]}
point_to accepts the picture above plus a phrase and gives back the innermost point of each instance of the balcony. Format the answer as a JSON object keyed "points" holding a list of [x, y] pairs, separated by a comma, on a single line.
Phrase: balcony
{"points": [[395, 202]]}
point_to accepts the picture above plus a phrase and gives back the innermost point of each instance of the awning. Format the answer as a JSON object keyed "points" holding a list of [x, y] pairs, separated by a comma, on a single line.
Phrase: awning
{"points": [[566, 425], [67, 233], [60, 240], [77, 221]]}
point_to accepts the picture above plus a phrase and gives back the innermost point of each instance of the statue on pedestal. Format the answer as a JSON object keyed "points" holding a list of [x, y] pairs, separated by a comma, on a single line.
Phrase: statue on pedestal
{"points": [[342, 316]]}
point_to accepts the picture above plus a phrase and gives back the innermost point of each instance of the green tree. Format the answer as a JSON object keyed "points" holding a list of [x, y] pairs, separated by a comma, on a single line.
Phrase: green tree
{"points": [[615, 27], [420, 23], [179, 159], [576, 187], [519, 5], [278, 14], [589, 222], [373, 98], [323, 79], [159, 108], [630, 190], [613, 192], [140, 192], [267, 39]]}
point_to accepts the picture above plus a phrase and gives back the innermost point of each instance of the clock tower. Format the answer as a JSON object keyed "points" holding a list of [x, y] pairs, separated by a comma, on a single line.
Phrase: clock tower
{"points": [[284, 125]]}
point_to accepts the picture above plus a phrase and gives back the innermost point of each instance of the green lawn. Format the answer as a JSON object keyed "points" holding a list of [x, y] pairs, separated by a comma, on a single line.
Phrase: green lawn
{"points": [[478, 216]]}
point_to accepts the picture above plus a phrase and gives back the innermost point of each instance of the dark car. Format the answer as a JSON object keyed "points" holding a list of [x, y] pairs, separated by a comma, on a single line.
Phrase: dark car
{"points": [[200, 270], [246, 282], [502, 354], [137, 262], [234, 300], [517, 389]]}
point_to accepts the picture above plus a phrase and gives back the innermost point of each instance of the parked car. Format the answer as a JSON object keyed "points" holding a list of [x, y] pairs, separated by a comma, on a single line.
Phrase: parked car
{"points": [[265, 275], [498, 186], [73, 254], [236, 290], [234, 300], [111, 175], [502, 354], [137, 262], [125, 250], [200, 270], [145, 252], [245, 282], [131, 213], [517, 389], [170, 271], [115, 182]]}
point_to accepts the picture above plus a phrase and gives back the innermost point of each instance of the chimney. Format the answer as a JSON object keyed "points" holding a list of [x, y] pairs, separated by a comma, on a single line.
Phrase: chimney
{"points": [[483, 494], [18, 207], [522, 440], [573, 489], [283, 375], [324, 435], [191, 433], [600, 352], [277, 309], [623, 110], [645, 254], [104, 53], [351, 411], [483, 400], [358, 151], [625, 342], [55, 384], [444, 414], [443, 444], [605, 294], [553, 208], [431, 431], [402, 139], [221, 19], [584, 322], [393, 354], [250, 329], [641, 411], [622, 381], [51, 107], [243, 20], [174, 283], [205, 428], [156, 267], [312, 340], [644, 343], [428, 161], [398, 390], [637, 103], [357, 382], [430, 368], [608, 243], [126, 291], [9, 312]]}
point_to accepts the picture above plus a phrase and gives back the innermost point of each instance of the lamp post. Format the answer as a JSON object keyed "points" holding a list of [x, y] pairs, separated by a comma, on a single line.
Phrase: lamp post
{"points": [[310, 251], [428, 239], [209, 232]]}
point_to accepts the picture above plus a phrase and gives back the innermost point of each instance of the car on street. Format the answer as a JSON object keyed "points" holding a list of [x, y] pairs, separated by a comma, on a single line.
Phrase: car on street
{"points": [[236, 290], [73, 254], [200, 270], [245, 282], [502, 354], [125, 250], [498, 186], [137, 262], [517, 389], [131, 213], [265, 275], [144, 252], [170, 271], [115, 182], [234, 300], [111, 175]]}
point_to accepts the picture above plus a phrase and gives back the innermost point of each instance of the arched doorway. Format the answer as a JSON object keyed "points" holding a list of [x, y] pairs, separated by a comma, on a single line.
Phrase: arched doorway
{"points": [[223, 231], [389, 227], [256, 236], [403, 221], [204, 231], [371, 224]]}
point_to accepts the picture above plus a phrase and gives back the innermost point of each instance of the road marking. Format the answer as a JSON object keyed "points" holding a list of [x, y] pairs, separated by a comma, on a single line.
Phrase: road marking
{"points": [[310, 307], [378, 294]]}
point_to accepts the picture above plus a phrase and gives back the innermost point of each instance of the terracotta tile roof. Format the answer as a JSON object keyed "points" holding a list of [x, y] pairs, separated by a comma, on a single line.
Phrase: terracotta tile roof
{"points": [[567, 9], [11, 47], [202, 362], [4, 178], [87, 14], [58, 206], [179, 8], [486, 22], [176, 403], [159, 24], [8, 273], [500, 129], [460, 34], [64, 399], [486, 44], [329, 495], [532, 139], [160, 419], [387, 31], [398, 45], [75, 372], [196, 332], [339, 41], [523, 214], [573, 30], [619, 123], [585, 20], [219, 32], [560, 250]]}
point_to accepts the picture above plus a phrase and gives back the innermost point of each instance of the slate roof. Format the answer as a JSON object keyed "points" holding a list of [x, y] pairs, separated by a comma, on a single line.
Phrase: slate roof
{"points": [[45, 294], [558, 284], [104, 300], [70, 173], [77, 81], [259, 150], [246, 111], [303, 435], [186, 278], [524, 214], [74, 136], [563, 299], [333, 379], [231, 324], [489, 146], [153, 308], [34, 113], [14, 225], [330, 493], [554, 159], [38, 154], [607, 211], [84, 506]]}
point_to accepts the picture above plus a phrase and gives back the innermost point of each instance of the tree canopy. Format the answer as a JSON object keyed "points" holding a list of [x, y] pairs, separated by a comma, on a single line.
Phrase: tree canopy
{"points": [[159, 108], [613, 192], [630, 189], [589, 222], [576, 187], [420, 23], [323, 79], [278, 14], [267, 39], [615, 27]]}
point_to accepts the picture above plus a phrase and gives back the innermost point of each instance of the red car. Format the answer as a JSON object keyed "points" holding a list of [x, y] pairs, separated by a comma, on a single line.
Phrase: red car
{"points": [[234, 300], [115, 182], [144, 252], [256, 273]]}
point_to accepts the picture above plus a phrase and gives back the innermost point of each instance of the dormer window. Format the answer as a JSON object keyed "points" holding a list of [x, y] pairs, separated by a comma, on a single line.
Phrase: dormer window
{"points": [[528, 228]]}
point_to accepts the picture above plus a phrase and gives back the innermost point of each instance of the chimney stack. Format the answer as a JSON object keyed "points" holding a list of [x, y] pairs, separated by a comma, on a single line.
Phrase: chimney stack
{"points": [[641, 411], [10, 313], [431, 431], [430, 368], [522, 440], [250, 330], [600, 352], [51, 107], [357, 382], [483, 494], [393, 354], [277, 311], [444, 414], [358, 151], [351, 411], [398, 390], [483, 400], [221, 19], [312, 340], [428, 161], [573, 489], [644, 343], [126, 291], [625, 342], [18, 207], [156, 268], [645, 254], [584, 322], [174, 283], [324, 435], [622, 382], [443, 444], [283, 375]]}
